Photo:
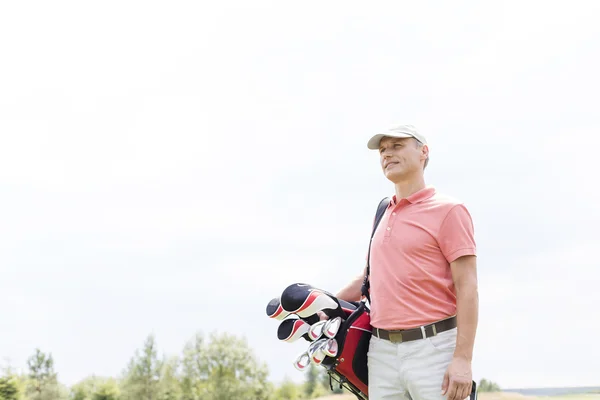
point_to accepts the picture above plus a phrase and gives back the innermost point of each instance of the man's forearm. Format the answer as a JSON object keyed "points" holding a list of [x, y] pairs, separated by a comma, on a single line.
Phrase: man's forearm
{"points": [[352, 291], [467, 314]]}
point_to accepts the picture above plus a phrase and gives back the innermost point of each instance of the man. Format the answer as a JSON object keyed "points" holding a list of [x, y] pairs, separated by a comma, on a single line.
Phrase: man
{"points": [[423, 282]]}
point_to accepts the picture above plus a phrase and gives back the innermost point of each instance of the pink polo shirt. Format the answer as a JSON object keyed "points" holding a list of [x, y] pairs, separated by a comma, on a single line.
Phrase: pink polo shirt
{"points": [[415, 242]]}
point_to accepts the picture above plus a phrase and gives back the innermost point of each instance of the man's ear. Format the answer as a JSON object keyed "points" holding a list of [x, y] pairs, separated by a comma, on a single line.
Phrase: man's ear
{"points": [[425, 154], [425, 151]]}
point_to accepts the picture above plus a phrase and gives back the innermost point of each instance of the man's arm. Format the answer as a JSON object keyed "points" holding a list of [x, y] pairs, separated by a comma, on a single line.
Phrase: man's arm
{"points": [[457, 242], [458, 377], [352, 292], [464, 274]]}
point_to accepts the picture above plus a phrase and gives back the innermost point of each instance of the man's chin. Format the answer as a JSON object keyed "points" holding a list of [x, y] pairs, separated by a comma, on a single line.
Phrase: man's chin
{"points": [[393, 176]]}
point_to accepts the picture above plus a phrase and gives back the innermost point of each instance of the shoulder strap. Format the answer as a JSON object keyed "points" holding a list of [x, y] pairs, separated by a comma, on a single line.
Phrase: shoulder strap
{"points": [[383, 204]]}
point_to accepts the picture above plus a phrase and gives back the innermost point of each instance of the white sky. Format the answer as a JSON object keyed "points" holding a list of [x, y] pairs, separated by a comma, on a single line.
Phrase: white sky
{"points": [[171, 167]]}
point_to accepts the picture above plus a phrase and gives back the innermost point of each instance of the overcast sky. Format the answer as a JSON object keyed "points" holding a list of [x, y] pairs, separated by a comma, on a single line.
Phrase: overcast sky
{"points": [[170, 167]]}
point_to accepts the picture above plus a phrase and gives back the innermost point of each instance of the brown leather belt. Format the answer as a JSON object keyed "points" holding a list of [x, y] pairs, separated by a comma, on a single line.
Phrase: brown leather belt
{"points": [[406, 335]]}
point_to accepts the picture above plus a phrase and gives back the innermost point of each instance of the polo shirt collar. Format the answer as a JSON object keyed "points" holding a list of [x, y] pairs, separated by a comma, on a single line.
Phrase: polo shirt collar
{"points": [[416, 197]]}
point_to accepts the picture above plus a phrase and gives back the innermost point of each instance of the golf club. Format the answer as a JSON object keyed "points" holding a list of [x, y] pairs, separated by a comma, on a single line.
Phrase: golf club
{"points": [[316, 330], [331, 348], [302, 362], [315, 351], [332, 327]]}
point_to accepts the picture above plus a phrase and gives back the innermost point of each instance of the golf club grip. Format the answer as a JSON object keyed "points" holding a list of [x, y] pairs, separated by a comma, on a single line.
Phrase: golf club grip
{"points": [[332, 313], [312, 319], [347, 305]]}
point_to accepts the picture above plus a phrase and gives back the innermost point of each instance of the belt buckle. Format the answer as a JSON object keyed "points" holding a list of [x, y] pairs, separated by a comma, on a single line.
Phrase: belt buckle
{"points": [[395, 337]]}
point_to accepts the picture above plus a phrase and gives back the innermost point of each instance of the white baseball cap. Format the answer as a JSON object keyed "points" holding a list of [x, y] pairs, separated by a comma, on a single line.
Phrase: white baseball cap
{"points": [[401, 131]]}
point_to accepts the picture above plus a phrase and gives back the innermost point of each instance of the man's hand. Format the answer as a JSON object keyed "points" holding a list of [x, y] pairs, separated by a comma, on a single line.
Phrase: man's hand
{"points": [[322, 316], [458, 380]]}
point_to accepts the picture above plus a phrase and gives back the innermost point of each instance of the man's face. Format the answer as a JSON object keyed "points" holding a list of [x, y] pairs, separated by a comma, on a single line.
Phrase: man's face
{"points": [[401, 157]]}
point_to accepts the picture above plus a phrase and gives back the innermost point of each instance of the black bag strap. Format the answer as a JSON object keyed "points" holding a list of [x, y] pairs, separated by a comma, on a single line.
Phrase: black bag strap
{"points": [[383, 205]]}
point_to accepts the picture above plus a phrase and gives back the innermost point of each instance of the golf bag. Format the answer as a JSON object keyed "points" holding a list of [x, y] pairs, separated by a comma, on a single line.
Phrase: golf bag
{"points": [[349, 367]]}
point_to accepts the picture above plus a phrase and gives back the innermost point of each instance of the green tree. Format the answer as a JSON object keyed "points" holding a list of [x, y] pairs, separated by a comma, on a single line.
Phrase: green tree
{"points": [[107, 389], [83, 389], [488, 386], [211, 370], [41, 372], [95, 388], [316, 383], [288, 390], [10, 388], [234, 371], [311, 380], [142, 376], [42, 382], [170, 387], [194, 367]]}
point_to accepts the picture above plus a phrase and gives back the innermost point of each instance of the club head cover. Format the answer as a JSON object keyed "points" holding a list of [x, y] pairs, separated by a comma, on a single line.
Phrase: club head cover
{"points": [[305, 300], [292, 329], [275, 311]]}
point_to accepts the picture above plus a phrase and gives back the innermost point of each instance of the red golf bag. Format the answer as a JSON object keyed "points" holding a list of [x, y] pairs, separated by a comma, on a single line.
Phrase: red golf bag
{"points": [[349, 368]]}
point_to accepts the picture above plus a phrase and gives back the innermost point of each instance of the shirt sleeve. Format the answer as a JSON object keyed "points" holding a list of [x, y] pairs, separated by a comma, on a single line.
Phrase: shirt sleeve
{"points": [[456, 237]]}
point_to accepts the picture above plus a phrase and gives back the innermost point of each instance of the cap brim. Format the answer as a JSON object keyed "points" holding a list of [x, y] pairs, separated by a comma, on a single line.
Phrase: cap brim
{"points": [[373, 143]]}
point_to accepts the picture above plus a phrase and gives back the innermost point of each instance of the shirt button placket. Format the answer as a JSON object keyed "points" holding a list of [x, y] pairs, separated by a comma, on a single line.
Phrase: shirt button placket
{"points": [[388, 229]]}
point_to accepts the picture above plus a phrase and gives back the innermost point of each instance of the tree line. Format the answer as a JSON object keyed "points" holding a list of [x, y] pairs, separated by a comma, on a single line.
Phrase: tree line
{"points": [[220, 367]]}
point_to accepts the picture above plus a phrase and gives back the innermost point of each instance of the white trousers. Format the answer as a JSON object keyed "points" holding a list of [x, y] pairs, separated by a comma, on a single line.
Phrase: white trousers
{"points": [[411, 370]]}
